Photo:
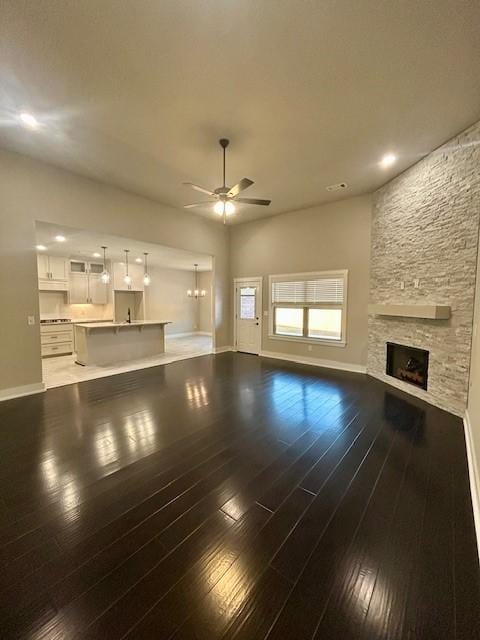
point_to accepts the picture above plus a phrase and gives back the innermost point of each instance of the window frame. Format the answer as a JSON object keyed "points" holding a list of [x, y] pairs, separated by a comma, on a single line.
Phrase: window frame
{"points": [[308, 275]]}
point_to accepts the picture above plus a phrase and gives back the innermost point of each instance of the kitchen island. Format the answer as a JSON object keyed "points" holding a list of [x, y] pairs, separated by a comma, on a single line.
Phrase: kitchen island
{"points": [[106, 343]]}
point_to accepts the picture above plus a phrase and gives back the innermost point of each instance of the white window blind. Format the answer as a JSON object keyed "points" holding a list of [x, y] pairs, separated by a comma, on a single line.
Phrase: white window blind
{"points": [[320, 290]]}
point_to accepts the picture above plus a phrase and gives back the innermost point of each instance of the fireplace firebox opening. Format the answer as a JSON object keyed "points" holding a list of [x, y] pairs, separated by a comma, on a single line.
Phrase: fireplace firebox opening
{"points": [[408, 364]]}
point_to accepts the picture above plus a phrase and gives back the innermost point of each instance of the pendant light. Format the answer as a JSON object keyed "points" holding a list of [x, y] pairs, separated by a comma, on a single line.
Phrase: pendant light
{"points": [[105, 277], [127, 279], [146, 277], [196, 293]]}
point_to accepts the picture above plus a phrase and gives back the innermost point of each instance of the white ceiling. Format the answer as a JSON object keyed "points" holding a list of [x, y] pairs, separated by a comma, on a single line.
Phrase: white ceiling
{"points": [[83, 244], [137, 93]]}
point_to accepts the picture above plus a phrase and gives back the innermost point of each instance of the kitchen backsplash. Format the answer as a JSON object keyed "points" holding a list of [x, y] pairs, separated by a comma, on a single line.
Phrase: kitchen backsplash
{"points": [[53, 305]]}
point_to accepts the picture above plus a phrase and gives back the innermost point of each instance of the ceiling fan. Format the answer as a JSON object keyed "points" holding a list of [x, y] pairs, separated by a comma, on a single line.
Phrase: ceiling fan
{"points": [[224, 196]]}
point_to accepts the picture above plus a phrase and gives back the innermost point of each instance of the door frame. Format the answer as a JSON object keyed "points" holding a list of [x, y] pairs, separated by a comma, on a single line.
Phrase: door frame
{"points": [[236, 283]]}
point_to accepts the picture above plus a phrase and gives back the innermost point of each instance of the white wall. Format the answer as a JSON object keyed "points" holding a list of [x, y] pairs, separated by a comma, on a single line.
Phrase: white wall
{"points": [[32, 190], [205, 304], [166, 299], [328, 237]]}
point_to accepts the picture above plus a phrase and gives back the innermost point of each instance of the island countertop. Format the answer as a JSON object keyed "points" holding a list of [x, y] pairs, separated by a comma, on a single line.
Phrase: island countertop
{"points": [[105, 343], [122, 325]]}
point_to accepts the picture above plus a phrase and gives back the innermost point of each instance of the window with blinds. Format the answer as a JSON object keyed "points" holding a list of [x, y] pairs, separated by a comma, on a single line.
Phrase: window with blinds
{"points": [[309, 292], [310, 306]]}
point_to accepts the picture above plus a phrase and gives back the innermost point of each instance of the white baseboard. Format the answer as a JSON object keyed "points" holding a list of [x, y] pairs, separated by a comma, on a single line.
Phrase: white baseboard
{"points": [[203, 333], [19, 392], [222, 349], [317, 362], [474, 474]]}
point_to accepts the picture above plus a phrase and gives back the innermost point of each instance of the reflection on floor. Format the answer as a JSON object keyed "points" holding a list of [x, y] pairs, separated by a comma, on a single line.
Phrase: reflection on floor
{"points": [[63, 370], [237, 497]]}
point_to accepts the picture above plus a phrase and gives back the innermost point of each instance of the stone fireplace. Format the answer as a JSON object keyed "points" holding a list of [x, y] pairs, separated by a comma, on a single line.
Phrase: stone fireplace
{"points": [[424, 244]]}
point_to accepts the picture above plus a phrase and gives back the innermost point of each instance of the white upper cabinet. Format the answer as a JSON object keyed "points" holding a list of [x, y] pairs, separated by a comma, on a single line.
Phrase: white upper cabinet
{"points": [[97, 290], [42, 266], [78, 288], [78, 266], [52, 273], [135, 271], [95, 268], [86, 286], [58, 267]]}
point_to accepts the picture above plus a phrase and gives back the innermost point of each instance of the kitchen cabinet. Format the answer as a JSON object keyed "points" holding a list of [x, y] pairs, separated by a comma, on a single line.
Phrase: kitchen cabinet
{"points": [[78, 266], [78, 288], [52, 273], [135, 271], [56, 339], [97, 290], [86, 286]]}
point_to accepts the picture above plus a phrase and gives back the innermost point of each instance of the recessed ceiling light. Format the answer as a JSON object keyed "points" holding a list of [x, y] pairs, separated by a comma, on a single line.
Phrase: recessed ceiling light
{"points": [[28, 120], [387, 160], [60, 238], [138, 260], [97, 255], [41, 247]]}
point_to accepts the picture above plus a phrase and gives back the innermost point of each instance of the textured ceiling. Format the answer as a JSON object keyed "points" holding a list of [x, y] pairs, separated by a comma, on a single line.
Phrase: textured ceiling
{"points": [[136, 93]]}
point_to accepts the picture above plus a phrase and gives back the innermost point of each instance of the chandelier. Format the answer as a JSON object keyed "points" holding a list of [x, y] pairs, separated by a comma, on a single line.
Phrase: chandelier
{"points": [[196, 293]]}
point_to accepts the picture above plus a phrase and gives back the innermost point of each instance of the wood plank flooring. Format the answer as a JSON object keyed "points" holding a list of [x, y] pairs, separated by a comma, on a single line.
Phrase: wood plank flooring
{"points": [[235, 497]]}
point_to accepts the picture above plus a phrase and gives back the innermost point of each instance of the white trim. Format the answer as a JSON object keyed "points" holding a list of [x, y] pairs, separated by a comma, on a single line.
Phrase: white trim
{"points": [[203, 333], [222, 349], [474, 475], [316, 362], [323, 341], [333, 272], [19, 392], [259, 281]]}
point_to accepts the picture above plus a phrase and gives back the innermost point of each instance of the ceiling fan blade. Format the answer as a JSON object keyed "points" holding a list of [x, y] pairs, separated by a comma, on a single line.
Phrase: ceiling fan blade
{"points": [[253, 201], [240, 186], [197, 188], [195, 204]]}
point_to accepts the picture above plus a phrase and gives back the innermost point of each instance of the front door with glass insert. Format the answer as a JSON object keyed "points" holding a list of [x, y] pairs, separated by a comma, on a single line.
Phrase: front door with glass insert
{"points": [[248, 319]]}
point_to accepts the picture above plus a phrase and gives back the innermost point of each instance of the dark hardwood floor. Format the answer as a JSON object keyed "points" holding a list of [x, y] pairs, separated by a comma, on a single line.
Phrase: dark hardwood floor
{"points": [[236, 497]]}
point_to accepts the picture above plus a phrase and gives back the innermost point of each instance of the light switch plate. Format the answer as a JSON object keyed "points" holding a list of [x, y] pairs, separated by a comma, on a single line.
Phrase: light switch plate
{"points": [[402, 284], [265, 313], [416, 283], [31, 320]]}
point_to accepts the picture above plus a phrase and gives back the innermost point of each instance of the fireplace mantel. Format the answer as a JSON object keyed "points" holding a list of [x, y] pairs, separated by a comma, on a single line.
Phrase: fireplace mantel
{"points": [[425, 311]]}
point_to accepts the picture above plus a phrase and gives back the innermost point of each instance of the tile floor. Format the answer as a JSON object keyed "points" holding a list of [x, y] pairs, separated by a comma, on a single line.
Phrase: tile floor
{"points": [[60, 371]]}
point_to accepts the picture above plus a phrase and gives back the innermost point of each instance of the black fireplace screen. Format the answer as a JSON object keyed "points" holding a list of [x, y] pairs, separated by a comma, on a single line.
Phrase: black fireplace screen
{"points": [[408, 364]]}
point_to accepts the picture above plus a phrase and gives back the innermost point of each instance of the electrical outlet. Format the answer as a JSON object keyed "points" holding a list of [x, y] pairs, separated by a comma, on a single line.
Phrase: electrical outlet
{"points": [[31, 320], [309, 347], [416, 283], [402, 284], [265, 313]]}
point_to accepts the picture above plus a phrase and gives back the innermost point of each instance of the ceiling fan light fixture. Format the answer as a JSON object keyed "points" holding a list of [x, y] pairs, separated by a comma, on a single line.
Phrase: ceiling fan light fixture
{"points": [[222, 207]]}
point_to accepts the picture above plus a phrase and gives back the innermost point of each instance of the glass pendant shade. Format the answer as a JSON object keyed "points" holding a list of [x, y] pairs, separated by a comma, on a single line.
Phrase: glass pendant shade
{"points": [[146, 278], [222, 207], [127, 278], [105, 277]]}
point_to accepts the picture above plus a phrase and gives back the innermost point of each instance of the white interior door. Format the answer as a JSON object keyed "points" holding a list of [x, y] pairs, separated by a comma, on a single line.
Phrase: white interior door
{"points": [[248, 315]]}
